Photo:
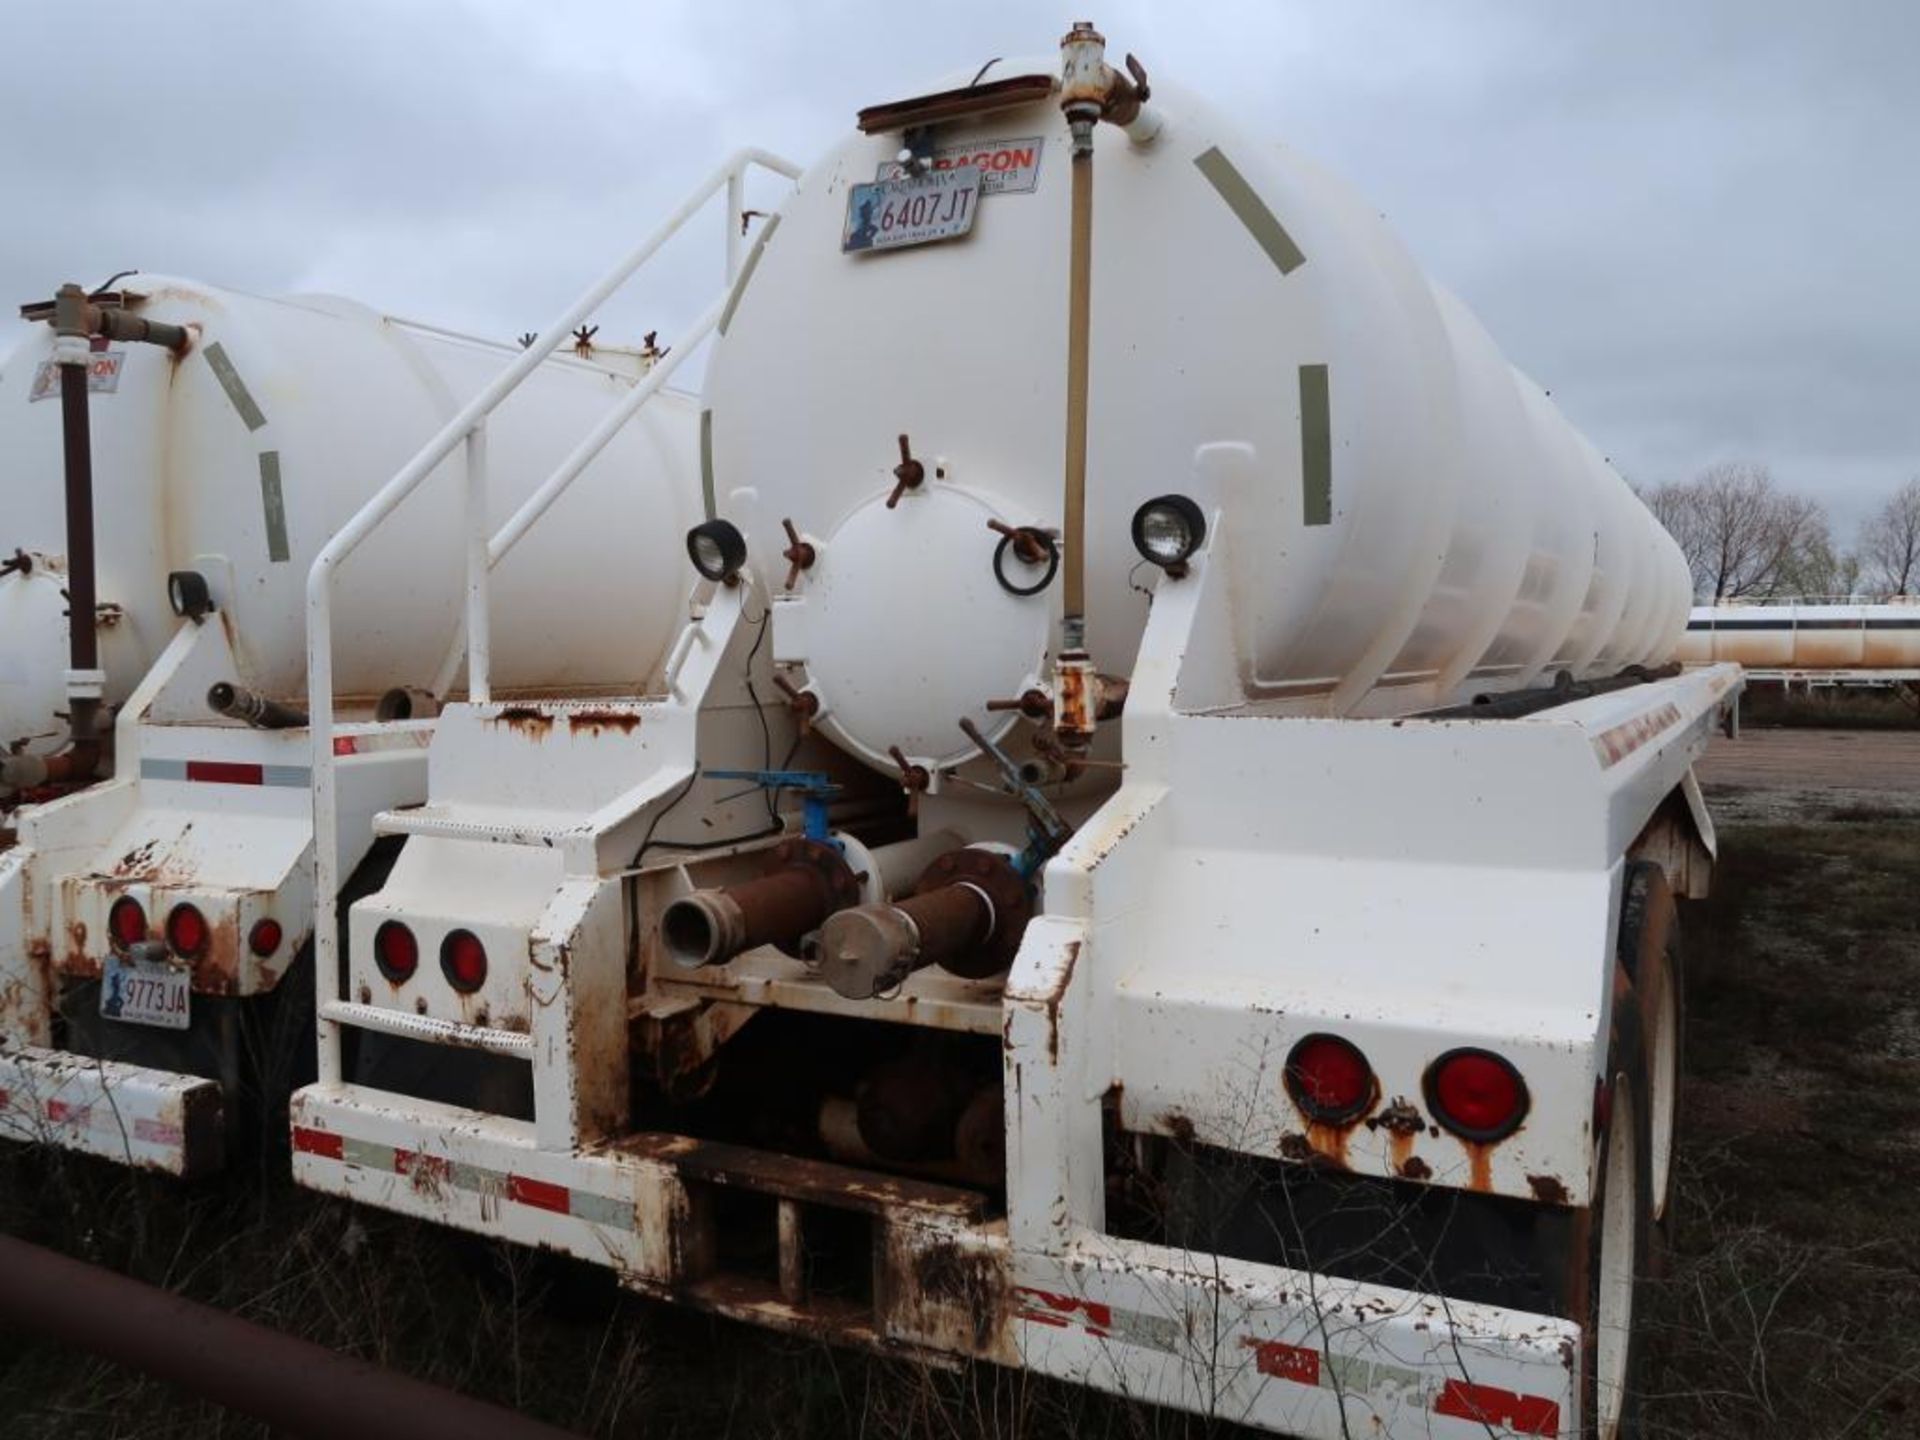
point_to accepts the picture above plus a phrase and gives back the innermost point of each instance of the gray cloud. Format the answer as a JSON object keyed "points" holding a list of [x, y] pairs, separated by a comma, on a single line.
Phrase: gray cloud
{"points": [[1691, 222]]}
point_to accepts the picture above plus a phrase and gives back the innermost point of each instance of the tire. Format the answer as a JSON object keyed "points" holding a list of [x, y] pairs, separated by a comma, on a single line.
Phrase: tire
{"points": [[1650, 954], [1619, 1240]]}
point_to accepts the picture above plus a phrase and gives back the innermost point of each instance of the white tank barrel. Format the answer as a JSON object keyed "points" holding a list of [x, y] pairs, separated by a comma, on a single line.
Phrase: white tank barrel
{"points": [[1425, 524], [1806, 637], [244, 456]]}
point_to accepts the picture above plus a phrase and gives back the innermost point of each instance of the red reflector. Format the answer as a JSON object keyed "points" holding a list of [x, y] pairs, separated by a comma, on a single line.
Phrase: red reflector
{"points": [[537, 1193], [225, 772], [395, 951], [319, 1142], [265, 938], [1329, 1079], [187, 931], [463, 960], [1476, 1094], [127, 922]]}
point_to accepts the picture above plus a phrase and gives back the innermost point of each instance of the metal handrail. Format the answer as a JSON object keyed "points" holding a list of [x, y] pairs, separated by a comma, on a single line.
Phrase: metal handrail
{"points": [[468, 426]]}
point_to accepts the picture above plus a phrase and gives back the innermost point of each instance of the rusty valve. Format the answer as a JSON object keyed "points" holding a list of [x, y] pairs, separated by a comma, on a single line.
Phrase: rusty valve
{"points": [[803, 703], [1030, 543], [799, 553], [912, 777], [1034, 704], [909, 474]]}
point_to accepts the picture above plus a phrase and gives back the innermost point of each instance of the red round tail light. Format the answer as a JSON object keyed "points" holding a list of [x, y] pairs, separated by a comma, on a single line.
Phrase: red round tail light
{"points": [[187, 931], [1476, 1094], [126, 922], [463, 960], [1329, 1079], [395, 951], [265, 938]]}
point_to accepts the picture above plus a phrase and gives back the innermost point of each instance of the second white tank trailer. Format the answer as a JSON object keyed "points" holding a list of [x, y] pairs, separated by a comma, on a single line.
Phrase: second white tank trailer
{"points": [[1815, 642], [1153, 856], [155, 810]]}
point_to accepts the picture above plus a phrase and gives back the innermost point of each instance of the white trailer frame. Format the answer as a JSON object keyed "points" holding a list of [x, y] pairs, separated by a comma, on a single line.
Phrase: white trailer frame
{"points": [[1257, 876]]}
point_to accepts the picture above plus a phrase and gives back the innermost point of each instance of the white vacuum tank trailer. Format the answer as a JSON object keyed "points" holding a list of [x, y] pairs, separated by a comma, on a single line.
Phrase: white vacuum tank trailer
{"points": [[156, 858], [1154, 856]]}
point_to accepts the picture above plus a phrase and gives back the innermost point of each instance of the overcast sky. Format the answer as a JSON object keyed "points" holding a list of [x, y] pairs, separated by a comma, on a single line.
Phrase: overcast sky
{"points": [[1693, 222]]}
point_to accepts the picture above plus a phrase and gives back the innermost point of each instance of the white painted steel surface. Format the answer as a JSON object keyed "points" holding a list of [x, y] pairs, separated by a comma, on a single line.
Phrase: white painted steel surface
{"points": [[1470, 537], [322, 400]]}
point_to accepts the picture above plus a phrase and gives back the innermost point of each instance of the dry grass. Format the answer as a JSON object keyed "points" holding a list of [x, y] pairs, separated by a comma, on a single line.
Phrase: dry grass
{"points": [[1792, 1308]]}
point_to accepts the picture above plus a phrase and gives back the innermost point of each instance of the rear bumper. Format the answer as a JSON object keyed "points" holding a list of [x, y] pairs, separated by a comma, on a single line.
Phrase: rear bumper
{"points": [[1284, 1350], [150, 1119]]}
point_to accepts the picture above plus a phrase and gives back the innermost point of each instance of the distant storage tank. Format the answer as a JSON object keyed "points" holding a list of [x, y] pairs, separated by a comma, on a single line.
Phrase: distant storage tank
{"points": [[1806, 637], [1420, 523], [271, 431]]}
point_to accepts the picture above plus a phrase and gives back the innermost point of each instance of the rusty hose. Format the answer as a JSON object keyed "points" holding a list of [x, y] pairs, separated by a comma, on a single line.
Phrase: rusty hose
{"points": [[295, 1386], [238, 703]]}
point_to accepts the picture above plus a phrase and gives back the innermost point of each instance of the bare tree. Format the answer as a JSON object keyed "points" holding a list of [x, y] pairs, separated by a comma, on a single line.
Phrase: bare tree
{"points": [[1817, 567], [1738, 529], [1890, 542]]}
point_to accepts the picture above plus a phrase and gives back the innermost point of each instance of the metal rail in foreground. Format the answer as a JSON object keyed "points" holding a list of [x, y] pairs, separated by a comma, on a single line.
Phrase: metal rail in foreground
{"points": [[469, 428], [293, 1385]]}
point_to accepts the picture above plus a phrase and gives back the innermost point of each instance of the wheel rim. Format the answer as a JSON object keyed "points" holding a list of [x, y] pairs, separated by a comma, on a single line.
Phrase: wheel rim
{"points": [[1666, 1087], [1619, 1264]]}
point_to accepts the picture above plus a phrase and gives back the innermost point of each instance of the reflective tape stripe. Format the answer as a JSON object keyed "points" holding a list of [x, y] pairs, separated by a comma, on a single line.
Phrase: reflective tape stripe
{"points": [[1251, 211], [1617, 743], [225, 772], [706, 462], [391, 740], [273, 502], [429, 1172], [1316, 447], [1429, 1389], [236, 388]]}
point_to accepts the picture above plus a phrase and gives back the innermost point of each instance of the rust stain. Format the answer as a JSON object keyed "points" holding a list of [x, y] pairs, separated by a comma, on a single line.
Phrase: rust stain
{"points": [[956, 1289], [1329, 1142], [1179, 1126], [1414, 1168], [1053, 997], [594, 722], [532, 723], [1547, 1189], [1480, 1162]]}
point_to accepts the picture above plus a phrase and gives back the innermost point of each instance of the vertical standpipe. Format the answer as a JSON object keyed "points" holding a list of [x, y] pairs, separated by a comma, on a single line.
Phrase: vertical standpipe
{"points": [[73, 354], [76, 319]]}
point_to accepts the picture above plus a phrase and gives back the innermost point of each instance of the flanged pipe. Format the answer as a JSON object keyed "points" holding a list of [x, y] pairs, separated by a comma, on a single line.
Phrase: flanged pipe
{"points": [[966, 915], [806, 881]]}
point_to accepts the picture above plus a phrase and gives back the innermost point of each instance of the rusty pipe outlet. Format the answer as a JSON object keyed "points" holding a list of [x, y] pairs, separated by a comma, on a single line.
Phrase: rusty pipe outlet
{"points": [[966, 915], [806, 881], [75, 764]]}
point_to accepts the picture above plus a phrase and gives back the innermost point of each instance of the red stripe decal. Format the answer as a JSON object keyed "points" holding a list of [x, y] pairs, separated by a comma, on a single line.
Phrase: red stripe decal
{"points": [[1489, 1405], [319, 1142], [537, 1193], [225, 772], [1284, 1361]]}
